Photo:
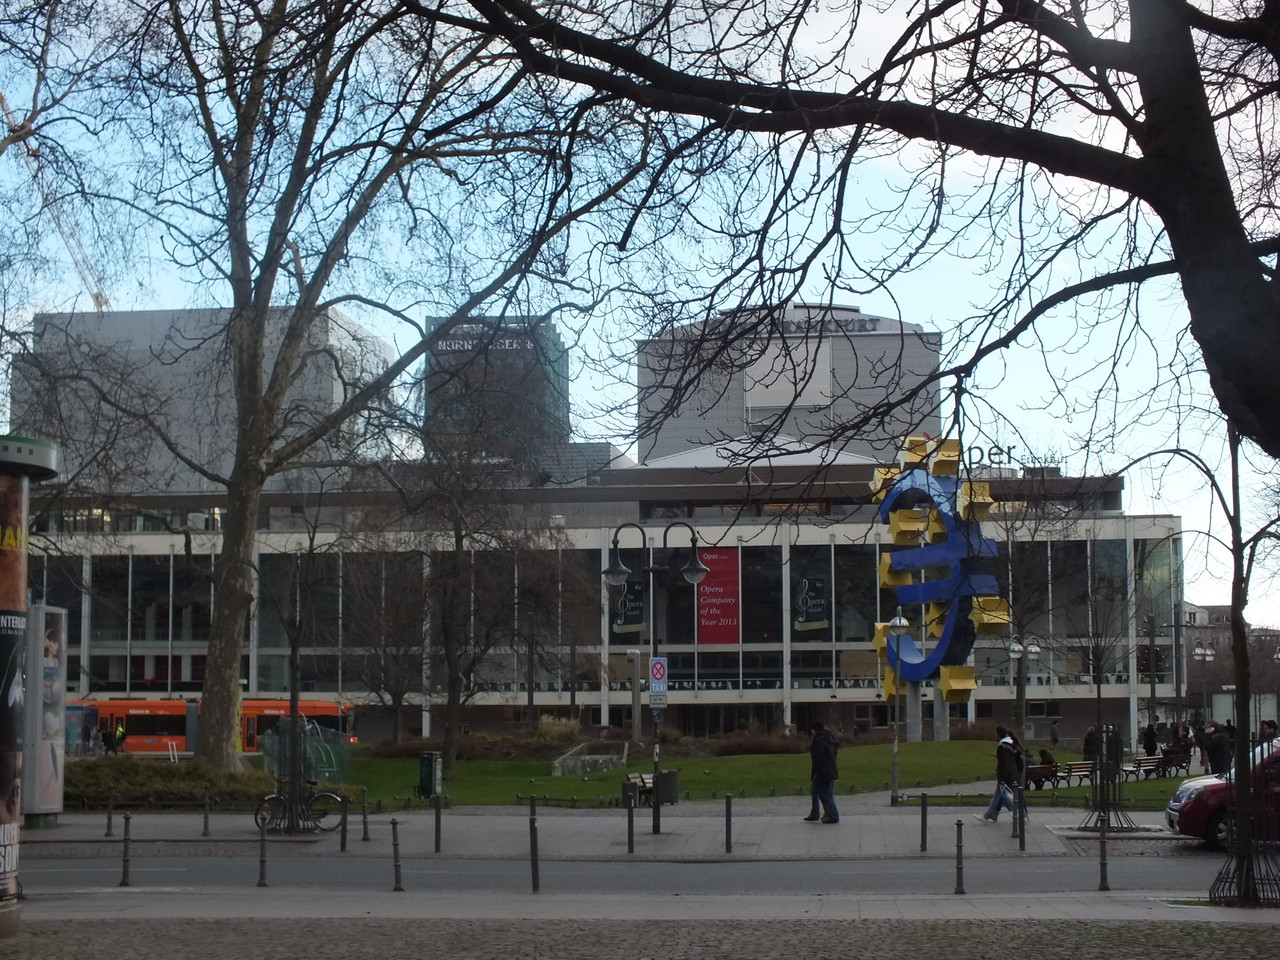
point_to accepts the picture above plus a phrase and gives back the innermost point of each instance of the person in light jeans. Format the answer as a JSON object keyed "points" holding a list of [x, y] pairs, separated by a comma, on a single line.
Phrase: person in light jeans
{"points": [[1010, 768]]}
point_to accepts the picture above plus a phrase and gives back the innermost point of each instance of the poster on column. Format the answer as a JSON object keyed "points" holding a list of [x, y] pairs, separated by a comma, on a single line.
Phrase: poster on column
{"points": [[13, 644], [44, 744], [718, 601]]}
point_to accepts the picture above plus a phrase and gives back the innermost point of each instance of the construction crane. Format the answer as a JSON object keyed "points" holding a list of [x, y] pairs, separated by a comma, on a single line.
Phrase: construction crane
{"points": [[52, 204]]}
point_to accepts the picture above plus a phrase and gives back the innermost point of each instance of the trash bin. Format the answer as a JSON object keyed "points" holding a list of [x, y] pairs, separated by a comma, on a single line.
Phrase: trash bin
{"points": [[630, 793], [668, 786], [430, 774]]}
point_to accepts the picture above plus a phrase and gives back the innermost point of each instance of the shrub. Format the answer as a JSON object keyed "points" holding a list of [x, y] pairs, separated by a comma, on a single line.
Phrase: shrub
{"points": [[133, 780], [737, 744], [558, 730]]}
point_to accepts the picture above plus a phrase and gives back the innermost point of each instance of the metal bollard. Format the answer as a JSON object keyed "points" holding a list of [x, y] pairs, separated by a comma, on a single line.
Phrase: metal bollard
{"points": [[959, 856], [924, 822], [435, 806], [111, 802], [631, 823], [205, 832], [1022, 818], [395, 854], [262, 853], [364, 811], [124, 877], [533, 840], [728, 823], [1102, 854], [342, 842]]}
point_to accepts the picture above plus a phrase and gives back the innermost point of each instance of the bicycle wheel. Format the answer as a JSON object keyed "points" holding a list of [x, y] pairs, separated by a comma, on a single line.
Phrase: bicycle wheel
{"points": [[270, 810], [326, 809]]}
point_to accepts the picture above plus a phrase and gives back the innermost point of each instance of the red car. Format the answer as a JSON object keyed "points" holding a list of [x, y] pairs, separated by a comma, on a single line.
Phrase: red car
{"points": [[1200, 806]]}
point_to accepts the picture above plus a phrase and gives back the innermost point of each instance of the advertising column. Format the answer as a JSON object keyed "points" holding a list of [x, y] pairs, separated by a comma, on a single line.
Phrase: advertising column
{"points": [[21, 461], [44, 744]]}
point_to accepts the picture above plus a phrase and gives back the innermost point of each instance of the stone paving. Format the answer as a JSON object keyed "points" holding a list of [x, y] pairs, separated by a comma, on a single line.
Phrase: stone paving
{"points": [[502, 939], [168, 924]]}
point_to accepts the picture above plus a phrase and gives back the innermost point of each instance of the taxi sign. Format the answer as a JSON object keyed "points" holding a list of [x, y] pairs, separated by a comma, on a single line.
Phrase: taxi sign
{"points": [[657, 677]]}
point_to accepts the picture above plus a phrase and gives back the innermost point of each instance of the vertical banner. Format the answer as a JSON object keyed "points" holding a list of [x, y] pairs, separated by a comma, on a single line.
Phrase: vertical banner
{"points": [[718, 601], [809, 605], [13, 645], [45, 734], [628, 608]]}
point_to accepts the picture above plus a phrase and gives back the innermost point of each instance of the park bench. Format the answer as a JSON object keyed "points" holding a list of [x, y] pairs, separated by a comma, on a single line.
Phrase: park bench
{"points": [[1082, 770], [1038, 774], [1143, 767], [1176, 760], [640, 785]]}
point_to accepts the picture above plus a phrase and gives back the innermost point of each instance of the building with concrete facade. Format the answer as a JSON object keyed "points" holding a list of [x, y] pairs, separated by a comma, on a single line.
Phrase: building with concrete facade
{"points": [[780, 634], [803, 372], [756, 656], [128, 394]]}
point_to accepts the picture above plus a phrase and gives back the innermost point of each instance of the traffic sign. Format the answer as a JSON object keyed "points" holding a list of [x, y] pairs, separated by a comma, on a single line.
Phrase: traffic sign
{"points": [[657, 701], [657, 677]]}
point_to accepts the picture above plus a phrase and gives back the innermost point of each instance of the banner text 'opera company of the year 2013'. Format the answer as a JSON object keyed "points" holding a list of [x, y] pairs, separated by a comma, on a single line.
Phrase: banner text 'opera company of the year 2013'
{"points": [[719, 607]]}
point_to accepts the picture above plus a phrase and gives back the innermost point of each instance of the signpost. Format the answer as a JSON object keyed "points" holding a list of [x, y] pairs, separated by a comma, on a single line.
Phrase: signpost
{"points": [[657, 701]]}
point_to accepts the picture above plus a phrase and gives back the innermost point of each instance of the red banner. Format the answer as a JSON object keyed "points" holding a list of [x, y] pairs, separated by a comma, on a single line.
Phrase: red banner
{"points": [[718, 606]]}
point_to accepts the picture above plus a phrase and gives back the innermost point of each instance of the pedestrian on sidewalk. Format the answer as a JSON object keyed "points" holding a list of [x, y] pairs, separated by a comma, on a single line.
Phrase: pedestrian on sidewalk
{"points": [[1150, 740], [822, 775], [1009, 767], [1218, 747]]}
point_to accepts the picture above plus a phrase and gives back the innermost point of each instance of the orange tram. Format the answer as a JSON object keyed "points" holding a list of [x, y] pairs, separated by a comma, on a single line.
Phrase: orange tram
{"points": [[168, 726]]}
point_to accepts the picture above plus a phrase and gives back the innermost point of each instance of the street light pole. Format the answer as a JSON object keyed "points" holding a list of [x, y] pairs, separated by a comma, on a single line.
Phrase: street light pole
{"points": [[1203, 654], [898, 626], [616, 575], [1151, 667], [1020, 654]]}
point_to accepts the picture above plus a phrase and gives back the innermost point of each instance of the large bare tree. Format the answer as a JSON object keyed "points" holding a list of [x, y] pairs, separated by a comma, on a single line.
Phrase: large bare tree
{"points": [[285, 159], [1071, 148]]}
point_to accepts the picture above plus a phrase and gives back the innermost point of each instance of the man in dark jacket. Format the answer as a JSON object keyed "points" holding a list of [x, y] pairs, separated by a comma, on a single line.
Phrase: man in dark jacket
{"points": [[1218, 747], [822, 775]]}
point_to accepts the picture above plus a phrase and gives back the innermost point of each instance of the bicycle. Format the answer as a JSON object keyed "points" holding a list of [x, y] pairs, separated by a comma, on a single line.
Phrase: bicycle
{"points": [[320, 809]]}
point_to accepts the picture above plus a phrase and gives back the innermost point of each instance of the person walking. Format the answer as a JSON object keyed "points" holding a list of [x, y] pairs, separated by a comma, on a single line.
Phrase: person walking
{"points": [[1089, 749], [822, 776], [1218, 747], [1008, 776], [1149, 740]]}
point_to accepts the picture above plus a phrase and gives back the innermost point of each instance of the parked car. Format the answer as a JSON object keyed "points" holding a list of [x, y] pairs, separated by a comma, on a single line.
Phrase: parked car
{"points": [[1200, 807]]}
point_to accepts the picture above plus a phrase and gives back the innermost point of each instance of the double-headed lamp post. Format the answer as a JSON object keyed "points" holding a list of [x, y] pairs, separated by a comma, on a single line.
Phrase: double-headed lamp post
{"points": [[616, 575], [898, 626], [1203, 654], [1020, 655]]}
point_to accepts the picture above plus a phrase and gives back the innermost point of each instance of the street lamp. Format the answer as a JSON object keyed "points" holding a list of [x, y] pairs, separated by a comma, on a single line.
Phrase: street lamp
{"points": [[615, 574], [898, 626], [1204, 654], [1020, 655]]}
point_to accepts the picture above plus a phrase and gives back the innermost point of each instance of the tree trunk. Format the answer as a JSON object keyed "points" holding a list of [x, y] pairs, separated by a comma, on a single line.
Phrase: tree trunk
{"points": [[1232, 309], [452, 724], [218, 743]]}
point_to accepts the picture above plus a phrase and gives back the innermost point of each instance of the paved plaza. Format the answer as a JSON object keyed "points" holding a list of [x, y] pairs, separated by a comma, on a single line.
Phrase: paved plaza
{"points": [[96, 917]]}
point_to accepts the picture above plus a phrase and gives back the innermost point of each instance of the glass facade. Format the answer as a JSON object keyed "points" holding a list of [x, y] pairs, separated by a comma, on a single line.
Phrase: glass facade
{"points": [[785, 626]]}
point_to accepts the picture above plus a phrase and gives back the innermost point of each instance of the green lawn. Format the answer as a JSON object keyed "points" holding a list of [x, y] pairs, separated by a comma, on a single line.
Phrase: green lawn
{"points": [[701, 778], [944, 769]]}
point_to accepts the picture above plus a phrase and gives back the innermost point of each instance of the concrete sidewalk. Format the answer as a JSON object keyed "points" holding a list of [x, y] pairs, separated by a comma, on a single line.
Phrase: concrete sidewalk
{"points": [[761, 829], [152, 922]]}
